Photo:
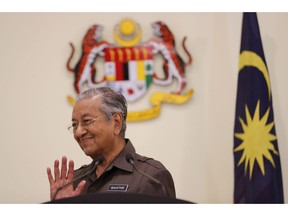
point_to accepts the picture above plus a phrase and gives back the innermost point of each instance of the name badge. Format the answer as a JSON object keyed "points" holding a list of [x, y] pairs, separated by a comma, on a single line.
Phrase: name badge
{"points": [[118, 187]]}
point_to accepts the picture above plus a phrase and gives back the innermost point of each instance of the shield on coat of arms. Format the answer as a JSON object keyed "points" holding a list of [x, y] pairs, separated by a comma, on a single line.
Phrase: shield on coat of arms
{"points": [[129, 70]]}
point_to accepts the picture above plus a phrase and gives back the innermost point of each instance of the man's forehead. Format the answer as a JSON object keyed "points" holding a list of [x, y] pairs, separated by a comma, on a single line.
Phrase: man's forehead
{"points": [[90, 100], [86, 107]]}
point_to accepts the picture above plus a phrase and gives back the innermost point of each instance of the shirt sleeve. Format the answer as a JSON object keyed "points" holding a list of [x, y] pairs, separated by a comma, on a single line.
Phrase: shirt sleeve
{"points": [[166, 188]]}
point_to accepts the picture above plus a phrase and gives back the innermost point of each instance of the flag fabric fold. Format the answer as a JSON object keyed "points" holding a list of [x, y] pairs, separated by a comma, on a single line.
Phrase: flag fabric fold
{"points": [[257, 167]]}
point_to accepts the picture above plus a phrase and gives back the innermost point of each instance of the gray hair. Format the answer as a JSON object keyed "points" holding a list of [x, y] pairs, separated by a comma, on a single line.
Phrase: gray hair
{"points": [[112, 102]]}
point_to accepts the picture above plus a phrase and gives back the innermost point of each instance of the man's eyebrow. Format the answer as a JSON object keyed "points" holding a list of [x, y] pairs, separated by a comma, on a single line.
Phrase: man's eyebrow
{"points": [[83, 116]]}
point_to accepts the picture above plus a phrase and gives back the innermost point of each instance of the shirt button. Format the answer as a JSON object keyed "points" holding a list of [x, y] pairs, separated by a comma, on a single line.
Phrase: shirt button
{"points": [[92, 189]]}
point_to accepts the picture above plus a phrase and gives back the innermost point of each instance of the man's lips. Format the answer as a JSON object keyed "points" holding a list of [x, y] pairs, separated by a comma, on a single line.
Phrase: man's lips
{"points": [[85, 139]]}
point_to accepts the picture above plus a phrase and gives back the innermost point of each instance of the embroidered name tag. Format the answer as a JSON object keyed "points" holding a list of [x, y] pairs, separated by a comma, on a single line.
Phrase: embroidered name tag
{"points": [[118, 187]]}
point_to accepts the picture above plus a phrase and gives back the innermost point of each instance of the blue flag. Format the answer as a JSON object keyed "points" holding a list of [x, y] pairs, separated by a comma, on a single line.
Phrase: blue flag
{"points": [[258, 177]]}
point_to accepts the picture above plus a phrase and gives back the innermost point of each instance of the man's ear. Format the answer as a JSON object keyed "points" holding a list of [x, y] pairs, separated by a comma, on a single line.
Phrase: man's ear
{"points": [[118, 123]]}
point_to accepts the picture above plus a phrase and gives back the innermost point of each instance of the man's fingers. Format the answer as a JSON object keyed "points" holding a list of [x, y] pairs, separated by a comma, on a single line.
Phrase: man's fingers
{"points": [[50, 177], [71, 170], [80, 187], [64, 168], [56, 170]]}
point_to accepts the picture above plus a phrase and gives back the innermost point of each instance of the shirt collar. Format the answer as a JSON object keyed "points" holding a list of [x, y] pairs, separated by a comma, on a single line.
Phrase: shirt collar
{"points": [[121, 162]]}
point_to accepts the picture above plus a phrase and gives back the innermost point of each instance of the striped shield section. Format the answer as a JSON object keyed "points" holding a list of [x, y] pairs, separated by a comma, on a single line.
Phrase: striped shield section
{"points": [[129, 70]]}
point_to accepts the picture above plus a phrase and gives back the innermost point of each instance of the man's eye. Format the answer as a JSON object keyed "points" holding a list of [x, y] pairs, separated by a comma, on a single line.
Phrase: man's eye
{"points": [[87, 121], [74, 125]]}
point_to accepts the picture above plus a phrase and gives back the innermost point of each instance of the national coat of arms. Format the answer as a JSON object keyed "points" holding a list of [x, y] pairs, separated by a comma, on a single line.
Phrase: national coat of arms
{"points": [[129, 65]]}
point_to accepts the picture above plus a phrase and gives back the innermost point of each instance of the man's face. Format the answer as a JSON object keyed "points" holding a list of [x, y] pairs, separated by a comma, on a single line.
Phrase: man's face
{"points": [[93, 132]]}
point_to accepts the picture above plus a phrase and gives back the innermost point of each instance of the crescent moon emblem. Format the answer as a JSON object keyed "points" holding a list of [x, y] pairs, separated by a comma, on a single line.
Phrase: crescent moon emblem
{"points": [[248, 58], [129, 43]]}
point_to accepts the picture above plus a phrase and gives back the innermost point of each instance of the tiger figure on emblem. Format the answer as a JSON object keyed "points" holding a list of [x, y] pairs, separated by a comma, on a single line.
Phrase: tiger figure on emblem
{"points": [[85, 70], [174, 66]]}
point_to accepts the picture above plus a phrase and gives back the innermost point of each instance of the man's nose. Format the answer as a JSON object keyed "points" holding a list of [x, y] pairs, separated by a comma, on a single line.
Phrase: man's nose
{"points": [[80, 130]]}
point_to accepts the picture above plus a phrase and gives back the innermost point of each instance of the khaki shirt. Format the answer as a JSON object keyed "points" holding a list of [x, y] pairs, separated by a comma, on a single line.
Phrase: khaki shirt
{"points": [[120, 176]]}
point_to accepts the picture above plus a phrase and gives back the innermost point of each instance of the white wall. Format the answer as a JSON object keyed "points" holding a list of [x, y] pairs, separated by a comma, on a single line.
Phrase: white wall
{"points": [[194, 140]]}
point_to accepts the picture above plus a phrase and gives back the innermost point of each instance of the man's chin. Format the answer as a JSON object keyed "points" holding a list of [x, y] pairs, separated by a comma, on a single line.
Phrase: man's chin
{"points": [[87, 151]]}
